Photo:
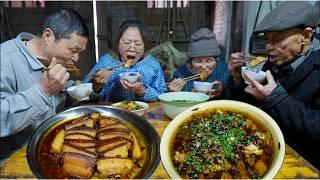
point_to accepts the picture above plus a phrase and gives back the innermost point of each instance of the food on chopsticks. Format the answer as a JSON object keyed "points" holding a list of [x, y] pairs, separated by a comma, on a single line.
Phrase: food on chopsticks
{"points": [[222, 143], [129, 63], [92, 145], [257, 60], [71, 68], [204, 75], [130, 105]]}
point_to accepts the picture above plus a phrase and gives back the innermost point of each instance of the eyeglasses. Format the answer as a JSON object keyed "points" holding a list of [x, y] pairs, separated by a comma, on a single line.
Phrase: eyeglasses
{"points": [[129, 45]]}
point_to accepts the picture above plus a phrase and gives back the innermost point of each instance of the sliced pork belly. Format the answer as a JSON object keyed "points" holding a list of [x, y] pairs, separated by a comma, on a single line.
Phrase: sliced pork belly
{"points": [[136, 154], [111, 167], [81, 122], [78, 165], [107, 121], [114, 126], [75, 149], [82, 143], [57, 143], [82, 129], [118, 150], [79, 136], [102, 144]]}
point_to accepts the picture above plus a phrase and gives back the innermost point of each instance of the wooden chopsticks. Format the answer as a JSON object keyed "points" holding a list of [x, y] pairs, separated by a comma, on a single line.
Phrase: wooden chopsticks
{"points": [[69, 69], [193, 77], [197, 76], [109, 68], [249, 58]]}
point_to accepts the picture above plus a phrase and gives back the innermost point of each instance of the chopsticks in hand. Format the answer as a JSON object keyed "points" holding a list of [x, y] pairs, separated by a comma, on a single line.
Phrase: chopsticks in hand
{"points": [[71, 69], [194, 77], [190, 78], [90, 75], [249, 58]]}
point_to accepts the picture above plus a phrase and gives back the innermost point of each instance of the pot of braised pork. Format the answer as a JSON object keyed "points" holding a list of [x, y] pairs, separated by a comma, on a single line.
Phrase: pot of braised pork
{"points": [[94, 142]]}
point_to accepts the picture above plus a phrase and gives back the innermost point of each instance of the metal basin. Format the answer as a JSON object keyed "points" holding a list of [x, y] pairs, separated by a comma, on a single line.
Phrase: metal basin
{"points": [[140, 125]]}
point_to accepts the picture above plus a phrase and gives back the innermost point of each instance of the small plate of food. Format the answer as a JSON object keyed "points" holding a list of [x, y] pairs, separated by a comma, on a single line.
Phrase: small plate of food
{"points": [[137, 107]]}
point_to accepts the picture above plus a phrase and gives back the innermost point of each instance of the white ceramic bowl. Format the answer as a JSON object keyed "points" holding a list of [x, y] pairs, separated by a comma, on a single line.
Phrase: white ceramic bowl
{"points": [[259, 76], [261, 116], [174, 103], [139, 112], [131, 77], [80, 92], [202, 87]]}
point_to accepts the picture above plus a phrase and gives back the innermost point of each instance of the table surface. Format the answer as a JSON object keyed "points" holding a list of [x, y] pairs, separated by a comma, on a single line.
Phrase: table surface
{"points": [[294, 166]]}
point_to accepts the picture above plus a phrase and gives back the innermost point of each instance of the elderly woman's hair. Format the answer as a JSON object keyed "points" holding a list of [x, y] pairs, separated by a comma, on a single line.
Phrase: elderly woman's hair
{"points": [[132, 23], [63, 23]]}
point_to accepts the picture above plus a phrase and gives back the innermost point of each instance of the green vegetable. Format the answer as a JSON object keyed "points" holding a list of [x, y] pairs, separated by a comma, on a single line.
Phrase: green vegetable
{"points": [[211, 139]]}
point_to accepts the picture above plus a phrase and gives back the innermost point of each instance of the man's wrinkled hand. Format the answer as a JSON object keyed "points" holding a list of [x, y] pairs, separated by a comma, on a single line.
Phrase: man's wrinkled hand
{"points": [[258, 90], [54, 79], [236, 62]]}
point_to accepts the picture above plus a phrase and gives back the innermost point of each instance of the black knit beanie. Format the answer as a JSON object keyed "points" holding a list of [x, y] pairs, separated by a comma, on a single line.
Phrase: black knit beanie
{"points": [[203, 43]]}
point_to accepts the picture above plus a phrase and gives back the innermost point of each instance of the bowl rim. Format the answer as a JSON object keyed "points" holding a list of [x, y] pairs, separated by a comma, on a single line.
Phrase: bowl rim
{"points": [[202, 82], [51, 121], [181, 118], [72, 88], [144, 104], [161, 96], [247, 69], [127, 72]]}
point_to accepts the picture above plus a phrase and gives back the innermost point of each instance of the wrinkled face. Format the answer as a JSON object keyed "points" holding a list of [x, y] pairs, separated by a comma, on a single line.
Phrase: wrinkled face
{"points": [[207, 64], [131, 45], [67, 51], [284, 46]]}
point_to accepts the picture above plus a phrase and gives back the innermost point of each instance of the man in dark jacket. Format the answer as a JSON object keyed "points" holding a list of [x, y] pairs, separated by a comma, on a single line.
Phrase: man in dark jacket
{"points": [[291, 93]]}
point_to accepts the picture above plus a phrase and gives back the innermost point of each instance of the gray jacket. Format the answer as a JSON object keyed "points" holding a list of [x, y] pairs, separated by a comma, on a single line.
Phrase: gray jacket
{"points": [[23, 104]]}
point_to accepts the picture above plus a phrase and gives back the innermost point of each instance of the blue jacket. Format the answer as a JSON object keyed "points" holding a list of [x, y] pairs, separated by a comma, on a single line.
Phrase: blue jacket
{"points": [[221, 74], [151, 73]]}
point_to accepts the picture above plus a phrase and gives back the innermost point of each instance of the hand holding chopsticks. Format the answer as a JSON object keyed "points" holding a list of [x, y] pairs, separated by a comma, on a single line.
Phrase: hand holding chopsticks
{"points": [[190, 78], [202, 76], [53, 80]]}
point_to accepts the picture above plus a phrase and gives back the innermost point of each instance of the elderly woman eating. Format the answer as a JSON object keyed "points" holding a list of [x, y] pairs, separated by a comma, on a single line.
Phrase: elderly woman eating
{"points": [[114, 84], [203, 53]]}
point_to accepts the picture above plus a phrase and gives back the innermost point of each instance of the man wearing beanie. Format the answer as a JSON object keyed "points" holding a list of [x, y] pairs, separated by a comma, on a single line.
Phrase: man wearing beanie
{"points": [[291, 94], [203, 53]]}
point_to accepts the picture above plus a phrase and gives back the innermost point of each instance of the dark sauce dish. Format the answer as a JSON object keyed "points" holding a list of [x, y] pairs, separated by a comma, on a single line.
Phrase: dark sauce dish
{"points": [[39, 139]]}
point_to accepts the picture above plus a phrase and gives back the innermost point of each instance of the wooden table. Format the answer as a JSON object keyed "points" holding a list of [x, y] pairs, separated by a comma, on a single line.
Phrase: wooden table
{"points": [[294, 165]]}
